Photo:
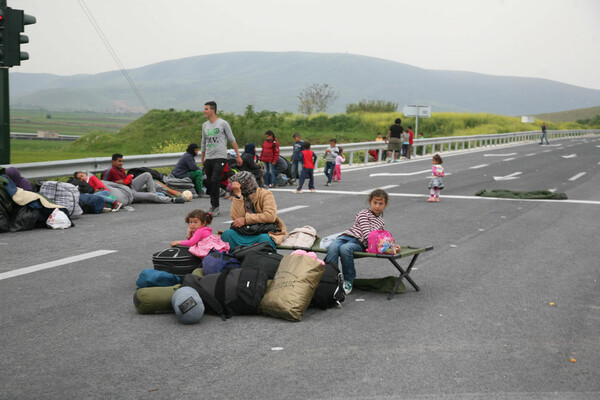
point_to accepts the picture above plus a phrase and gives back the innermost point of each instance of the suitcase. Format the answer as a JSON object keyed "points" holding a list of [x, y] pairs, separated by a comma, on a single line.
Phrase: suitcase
{"points": [[177, 260]]}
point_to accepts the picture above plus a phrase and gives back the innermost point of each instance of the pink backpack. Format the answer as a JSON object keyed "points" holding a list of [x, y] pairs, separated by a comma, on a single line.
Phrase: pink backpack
{"points": [[203, 247], [381, 242]]}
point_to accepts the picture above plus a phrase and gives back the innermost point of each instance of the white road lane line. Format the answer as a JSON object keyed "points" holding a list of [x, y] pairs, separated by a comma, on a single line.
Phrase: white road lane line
{"points": [[570, 156], [507, 177], [382, 187], [500, 155], [52, 264], [283, 210], [479, 166], [509, 159], [546, 151], [420, 195], [575, 177], [401, 173], [530, 154]]}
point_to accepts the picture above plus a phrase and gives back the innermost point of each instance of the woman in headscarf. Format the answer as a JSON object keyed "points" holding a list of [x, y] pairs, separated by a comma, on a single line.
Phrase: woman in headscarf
{"points": [[186, 167], [16, 177], [252, 205], [249, 163]]}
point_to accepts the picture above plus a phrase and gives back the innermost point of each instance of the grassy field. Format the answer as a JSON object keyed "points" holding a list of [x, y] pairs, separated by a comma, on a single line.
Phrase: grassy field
{"points": [[571, 115], [28, 151], [67, 123]]}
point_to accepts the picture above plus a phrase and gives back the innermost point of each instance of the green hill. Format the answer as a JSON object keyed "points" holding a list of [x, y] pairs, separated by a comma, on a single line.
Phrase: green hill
{"points": [[571, 115]]}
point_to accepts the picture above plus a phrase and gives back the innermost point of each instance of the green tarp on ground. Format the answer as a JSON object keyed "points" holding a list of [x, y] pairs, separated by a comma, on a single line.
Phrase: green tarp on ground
{"points": [[511, 194]]}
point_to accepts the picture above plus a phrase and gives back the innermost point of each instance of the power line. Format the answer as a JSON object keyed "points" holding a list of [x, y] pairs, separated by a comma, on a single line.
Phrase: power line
{"points": [[98, 30]]}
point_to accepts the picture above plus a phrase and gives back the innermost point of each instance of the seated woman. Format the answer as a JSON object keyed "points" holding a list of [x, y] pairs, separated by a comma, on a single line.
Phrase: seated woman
{"points": [[252, 205], [186, 168], [249, 163]]}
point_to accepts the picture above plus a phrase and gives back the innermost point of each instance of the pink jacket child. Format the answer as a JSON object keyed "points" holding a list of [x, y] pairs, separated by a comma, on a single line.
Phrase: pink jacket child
{"points": [[337, 171], [200, 239]]}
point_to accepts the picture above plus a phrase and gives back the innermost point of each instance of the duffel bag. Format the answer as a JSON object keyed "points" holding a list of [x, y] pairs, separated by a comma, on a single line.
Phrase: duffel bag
{"points": [[153, 300], [216, 261], [330, 291], [63, 194], [177, 260], [267, 262], [232, 292], [240, 252], [152, 277]]}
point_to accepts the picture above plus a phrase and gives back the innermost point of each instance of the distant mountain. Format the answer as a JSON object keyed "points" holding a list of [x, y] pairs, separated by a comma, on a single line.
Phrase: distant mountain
{"points": [[570, 115], [272, 81]]}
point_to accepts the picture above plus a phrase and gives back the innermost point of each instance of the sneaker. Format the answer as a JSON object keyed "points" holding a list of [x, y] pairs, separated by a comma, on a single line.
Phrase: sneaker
{"points": [[312, 190], [203, 195], [214, 211], [297, 191], [347, 286], [178, 200], [389, 161], [117, 206], [328, 184], [106, 210]]}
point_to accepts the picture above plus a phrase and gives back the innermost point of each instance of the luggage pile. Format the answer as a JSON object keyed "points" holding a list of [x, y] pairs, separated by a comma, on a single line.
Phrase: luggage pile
{"points": [[250, 280]]}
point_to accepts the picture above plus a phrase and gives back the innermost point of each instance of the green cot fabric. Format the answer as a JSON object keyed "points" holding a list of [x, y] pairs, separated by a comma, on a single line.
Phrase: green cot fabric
{"points": [[196, 177], [384, 285], [511, 194]]}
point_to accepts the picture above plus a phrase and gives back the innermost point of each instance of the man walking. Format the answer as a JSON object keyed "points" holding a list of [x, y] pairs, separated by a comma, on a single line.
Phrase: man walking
{"points": [[544, 134], [215, 134], [394, 141]]}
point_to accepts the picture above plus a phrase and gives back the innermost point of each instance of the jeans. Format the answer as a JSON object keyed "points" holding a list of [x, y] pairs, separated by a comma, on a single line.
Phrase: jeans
{"points": [[311, 182], [214, 171], [269, 173], [329, 167], [344, 247], [544, 136], [296, 169]]}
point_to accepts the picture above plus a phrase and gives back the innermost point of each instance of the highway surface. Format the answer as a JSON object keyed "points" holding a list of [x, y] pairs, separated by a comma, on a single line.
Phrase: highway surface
{"points": [[509, 306]]}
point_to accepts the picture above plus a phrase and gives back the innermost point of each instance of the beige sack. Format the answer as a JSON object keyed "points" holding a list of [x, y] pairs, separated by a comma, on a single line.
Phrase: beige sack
{"points": [[301, 237], [293, 287]]}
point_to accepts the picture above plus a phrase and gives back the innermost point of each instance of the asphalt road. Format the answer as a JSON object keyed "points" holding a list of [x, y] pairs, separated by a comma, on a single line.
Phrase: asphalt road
{"points": [[509, 305]]}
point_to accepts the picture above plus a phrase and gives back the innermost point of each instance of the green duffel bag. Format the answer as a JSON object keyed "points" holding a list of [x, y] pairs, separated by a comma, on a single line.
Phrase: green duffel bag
{"points": [[154, 300]]}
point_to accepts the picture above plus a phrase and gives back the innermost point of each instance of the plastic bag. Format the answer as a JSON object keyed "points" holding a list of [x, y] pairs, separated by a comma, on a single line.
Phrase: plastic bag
{"points": [[58, 220]]}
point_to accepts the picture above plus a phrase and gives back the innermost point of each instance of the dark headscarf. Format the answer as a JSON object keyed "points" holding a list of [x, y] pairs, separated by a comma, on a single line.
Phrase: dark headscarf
{"points": [[192, 149], [250, 149], [16, 177]]}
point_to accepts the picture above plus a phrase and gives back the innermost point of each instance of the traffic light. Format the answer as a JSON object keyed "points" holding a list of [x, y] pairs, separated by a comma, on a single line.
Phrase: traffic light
{"points": [[12, 23]]}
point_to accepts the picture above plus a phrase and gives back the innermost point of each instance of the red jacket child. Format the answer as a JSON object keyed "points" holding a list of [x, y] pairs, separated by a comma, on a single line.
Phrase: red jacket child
{"points": [[270, 151]]}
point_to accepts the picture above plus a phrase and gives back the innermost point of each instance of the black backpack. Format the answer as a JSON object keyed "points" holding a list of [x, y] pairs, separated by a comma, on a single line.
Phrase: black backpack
{"points": [[232, 292], [266, 262], [240, 252], [330, 292]]}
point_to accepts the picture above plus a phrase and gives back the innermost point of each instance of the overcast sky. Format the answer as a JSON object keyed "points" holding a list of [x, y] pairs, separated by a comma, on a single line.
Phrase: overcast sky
{"points": [[551, 39]]}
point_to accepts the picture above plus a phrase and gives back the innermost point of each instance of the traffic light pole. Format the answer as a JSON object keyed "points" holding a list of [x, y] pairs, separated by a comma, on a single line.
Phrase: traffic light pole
{"points": [[4, 118]]}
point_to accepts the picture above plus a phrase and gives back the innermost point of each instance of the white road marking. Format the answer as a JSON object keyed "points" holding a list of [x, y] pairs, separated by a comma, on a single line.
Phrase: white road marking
{"points": [[424, 196], [507, 177], [382, 187], [52, 264], [553, 190], [575, 177], [479, 166], [509, 159], [546, 151], [570, 156], [400, 173], [283, 210], [500, 155], [530, 154]]}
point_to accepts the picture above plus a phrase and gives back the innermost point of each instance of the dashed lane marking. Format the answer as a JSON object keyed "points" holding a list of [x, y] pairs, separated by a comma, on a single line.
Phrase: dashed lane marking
{"points": [[575, 177], [509, 159], [500, 155], [401, 173], [509, 177], [52, 264], [570, 156], [479, 166], [530, 154]]}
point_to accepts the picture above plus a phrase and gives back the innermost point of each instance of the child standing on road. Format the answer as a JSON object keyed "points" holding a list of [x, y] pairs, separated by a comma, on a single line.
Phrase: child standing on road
{"points": [[330, 154], [436, 184], [357, 237], [297, 157], [269, 156], [339, 160], [308, 158], [198, 230]]}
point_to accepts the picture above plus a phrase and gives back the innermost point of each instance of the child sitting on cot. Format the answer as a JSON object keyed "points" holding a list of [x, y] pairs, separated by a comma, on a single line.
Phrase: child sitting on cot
{"points": [[198, 230], [356, 238]]}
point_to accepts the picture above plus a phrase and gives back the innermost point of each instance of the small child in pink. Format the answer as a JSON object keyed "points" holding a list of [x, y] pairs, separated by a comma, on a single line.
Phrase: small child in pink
{"points": [[337, 171], [198, 230]]}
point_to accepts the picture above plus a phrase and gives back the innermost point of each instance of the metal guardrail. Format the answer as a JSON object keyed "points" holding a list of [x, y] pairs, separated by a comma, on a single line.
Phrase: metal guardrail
{"points": [[421, 147]]}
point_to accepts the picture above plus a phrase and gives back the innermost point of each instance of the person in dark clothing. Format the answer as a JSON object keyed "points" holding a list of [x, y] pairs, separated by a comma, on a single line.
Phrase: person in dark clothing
{"points": [[394, 141], [186, 168], [249, 163]]}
